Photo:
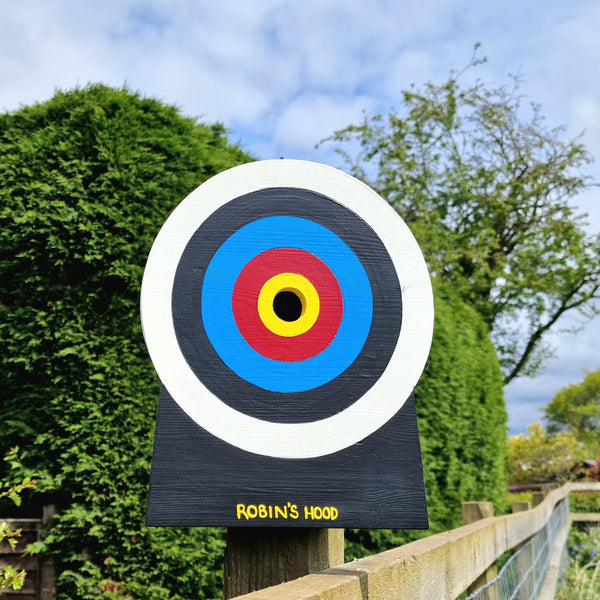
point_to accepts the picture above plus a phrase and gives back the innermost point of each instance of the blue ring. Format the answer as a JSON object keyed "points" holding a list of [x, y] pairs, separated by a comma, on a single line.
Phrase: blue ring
{"points": [[217, 314]]}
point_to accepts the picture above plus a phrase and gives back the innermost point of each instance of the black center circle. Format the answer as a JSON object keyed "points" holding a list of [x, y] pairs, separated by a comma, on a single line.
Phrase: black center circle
{"points": [[287, 306]]}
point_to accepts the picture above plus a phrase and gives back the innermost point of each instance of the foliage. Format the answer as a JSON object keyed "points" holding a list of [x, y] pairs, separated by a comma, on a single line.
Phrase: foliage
{"points": [[540, 455], [585, 502], [579, 502], [511, 498], [583, 575], [462, 416], [9, 576], [485, 186], [14, 492], [572, 435], [462, 423], [86, 180], [577, 408]]}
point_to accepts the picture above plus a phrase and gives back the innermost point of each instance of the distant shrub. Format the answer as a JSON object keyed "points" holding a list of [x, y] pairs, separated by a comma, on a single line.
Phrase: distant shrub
{"points": [[584, 502]]}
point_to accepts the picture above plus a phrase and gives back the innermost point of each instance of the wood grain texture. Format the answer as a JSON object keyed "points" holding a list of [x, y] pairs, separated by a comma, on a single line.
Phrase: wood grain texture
{"points": [[224, 368], [475, 511], [472, 512], [259, 558], [199, 480], [40, 582], [376, 356]]}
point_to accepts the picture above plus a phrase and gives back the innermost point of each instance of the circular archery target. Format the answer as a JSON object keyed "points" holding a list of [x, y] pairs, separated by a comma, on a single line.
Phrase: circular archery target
{"points": [[287, 309]]}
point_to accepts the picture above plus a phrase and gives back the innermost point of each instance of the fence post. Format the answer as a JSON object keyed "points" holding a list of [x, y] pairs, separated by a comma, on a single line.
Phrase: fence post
{"points": [[521, 506], [526, 557], [256, 558], [538, 497], [471, 512], [47, 577]]}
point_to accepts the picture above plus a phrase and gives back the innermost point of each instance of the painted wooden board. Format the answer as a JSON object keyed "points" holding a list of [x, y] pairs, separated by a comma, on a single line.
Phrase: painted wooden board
{"points": [[288, 312], [198, 479]]}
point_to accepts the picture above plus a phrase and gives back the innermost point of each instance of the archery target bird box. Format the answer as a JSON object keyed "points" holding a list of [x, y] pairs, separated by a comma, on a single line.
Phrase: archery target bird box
{"points": [[288, 312]]}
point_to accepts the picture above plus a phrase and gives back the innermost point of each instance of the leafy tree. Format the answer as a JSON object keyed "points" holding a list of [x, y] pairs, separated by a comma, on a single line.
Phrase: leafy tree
{"points": [[462, 424], [86, 181], [485, 186], [577, 408], [540, 454]]}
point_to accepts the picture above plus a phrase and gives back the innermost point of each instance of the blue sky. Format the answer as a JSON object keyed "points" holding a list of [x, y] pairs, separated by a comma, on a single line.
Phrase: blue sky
{"points": [[282, 75]]}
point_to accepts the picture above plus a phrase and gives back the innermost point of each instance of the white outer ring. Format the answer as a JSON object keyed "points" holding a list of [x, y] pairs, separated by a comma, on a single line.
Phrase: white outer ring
{"points": [[288, 440]]}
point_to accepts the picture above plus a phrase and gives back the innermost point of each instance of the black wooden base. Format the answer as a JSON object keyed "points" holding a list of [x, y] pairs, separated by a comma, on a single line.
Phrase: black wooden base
{"points": [[199, 480]]}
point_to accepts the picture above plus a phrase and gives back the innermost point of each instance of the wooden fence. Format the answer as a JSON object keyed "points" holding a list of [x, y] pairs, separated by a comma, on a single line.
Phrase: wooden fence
{"points": [[39, 582], [439, 567]]}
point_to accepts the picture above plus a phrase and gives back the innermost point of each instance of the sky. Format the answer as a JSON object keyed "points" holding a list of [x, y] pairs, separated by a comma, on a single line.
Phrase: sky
{"points": [[282, 75]]}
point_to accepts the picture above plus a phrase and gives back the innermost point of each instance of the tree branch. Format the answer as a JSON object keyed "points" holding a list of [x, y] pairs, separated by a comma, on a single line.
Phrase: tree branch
{"points": [[539, 332]]}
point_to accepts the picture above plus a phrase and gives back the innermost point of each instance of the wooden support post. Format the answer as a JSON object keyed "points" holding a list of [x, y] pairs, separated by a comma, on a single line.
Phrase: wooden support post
{"points": [[538, 497], [47, 576], [259, 558], [526, 558], [521, 506], [471, 512]]}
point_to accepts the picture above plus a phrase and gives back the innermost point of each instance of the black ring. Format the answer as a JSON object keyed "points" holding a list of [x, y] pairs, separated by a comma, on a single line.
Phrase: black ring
{"points": [[297, 407]]}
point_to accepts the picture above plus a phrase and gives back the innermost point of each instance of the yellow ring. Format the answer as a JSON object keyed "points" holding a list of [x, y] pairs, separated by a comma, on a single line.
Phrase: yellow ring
{"points": [[306, 292]]}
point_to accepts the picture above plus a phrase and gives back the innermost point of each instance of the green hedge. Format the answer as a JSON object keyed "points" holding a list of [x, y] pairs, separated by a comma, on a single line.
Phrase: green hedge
{"points": [[462, 423], [86, 181], [584, 502]]}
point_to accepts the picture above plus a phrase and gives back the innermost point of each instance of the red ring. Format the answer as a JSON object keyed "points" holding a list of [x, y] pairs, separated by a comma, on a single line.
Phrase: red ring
{"points": [[245, 304]]}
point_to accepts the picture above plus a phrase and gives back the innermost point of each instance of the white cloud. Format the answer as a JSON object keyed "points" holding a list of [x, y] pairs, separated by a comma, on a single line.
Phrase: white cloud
{"points": [[585, 119], [312, 117]]}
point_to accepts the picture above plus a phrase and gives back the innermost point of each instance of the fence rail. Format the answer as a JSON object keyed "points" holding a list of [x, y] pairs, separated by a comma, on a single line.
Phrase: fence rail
{"points": [[523, 575], [438, 567]]}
